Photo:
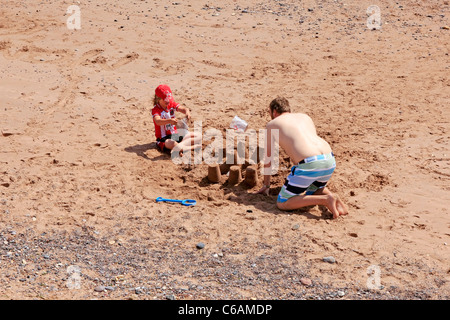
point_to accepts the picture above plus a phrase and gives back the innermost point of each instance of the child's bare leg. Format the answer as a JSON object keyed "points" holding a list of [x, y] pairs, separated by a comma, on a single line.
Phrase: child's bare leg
{"points": [[324, 190], [181, 147], [177, 148], [193, 138], [189, 142], [170, 144], [174, 146], [310, 200]]}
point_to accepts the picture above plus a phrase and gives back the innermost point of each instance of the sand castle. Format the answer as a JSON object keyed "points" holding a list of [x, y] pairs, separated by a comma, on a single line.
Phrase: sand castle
{"points": [[236, 171]]}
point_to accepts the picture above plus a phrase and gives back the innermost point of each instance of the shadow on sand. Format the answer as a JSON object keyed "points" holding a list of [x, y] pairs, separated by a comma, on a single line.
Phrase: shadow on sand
{"points": [[141, 149], [241, 194]]}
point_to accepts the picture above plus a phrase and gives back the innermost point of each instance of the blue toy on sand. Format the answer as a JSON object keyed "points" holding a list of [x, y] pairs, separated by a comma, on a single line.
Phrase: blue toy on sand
{"points": [[186, 202]]}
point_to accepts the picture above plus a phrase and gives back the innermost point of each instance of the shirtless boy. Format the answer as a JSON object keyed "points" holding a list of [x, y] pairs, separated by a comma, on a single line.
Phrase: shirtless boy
{"points": [[306, 184]]}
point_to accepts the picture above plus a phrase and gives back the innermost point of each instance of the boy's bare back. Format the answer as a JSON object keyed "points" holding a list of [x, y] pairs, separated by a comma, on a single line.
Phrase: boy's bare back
{"points": [[298, 136]]}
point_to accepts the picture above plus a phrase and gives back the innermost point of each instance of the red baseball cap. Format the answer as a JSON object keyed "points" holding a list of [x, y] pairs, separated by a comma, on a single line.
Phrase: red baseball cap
{"points": [[163, 91]]}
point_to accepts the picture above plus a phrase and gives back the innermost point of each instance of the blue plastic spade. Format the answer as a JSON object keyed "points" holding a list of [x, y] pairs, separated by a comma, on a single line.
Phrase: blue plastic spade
{"points": [[187, 202]]}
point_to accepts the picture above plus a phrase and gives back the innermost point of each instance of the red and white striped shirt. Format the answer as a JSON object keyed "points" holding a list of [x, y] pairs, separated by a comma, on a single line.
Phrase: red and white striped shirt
{"points": [[162, 131]]}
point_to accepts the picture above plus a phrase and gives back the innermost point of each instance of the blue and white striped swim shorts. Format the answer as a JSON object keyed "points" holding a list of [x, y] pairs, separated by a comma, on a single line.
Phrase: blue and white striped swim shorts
{"points": [[308, 176]]}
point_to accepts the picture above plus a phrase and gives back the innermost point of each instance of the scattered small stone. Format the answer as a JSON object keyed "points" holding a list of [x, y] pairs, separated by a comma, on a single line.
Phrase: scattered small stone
{"points": [[138, 290], [295, 226], [200, 245], [99, 288], [6, 133], [329, 259], [306, 281], [341, 293], [109, 288], [332, 294], [170, 297]]}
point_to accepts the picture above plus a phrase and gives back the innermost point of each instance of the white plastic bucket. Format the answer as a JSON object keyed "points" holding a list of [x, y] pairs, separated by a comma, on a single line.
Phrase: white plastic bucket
{"points": [[238, 124]]}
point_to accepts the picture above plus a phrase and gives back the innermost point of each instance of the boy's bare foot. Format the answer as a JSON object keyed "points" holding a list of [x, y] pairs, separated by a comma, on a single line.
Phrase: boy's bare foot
{"points": [[341, 207], [332, 205], [177, 151]]}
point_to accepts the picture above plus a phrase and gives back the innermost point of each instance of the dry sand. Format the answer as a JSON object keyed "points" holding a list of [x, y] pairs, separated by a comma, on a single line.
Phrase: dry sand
{"points": [[79, 171]]}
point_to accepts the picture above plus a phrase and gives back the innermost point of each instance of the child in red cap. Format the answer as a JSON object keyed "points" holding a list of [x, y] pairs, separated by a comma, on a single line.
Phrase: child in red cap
{"points": [[163, 112]]}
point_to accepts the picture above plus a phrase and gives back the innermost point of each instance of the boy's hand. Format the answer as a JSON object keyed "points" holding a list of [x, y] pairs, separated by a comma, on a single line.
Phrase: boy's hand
{"points": [[173, 121]]}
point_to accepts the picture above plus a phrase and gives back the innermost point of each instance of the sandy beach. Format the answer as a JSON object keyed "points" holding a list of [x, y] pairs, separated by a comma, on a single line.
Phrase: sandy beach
{"points": [[80, 171]]}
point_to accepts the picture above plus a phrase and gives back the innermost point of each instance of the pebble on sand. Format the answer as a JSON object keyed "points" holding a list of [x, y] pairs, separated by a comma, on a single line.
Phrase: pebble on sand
{"points": [[200, 245], [99, 288], [306, 281], [329, 259]]}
